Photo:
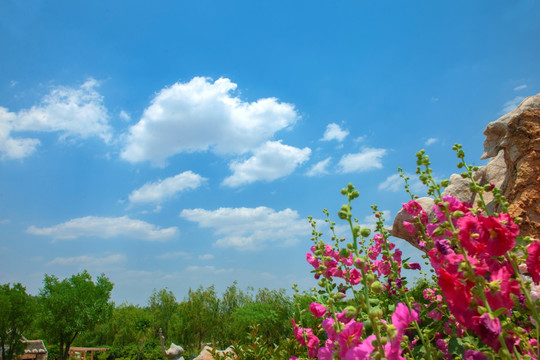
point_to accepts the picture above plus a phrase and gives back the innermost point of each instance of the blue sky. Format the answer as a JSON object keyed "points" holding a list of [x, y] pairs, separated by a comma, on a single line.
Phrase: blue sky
{"points": [[184, 143]]}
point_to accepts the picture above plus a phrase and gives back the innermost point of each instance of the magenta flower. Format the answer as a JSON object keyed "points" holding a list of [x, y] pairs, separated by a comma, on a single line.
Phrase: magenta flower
{"points": [[533, 261], [317, 310], [412, 208]]}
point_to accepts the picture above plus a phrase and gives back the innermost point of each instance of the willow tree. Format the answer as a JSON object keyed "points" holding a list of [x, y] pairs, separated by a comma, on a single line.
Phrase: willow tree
{"points": [[16, 315], [72, 306]]}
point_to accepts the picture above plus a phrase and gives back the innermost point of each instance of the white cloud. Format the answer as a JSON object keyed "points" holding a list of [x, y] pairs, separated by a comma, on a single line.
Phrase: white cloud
{"points": [[271, 161], [162, 190], [90, 262], [431, 141], [75, 113], [394, 183], [200, 115], [251, 228], [319, 168], [511, 105], [124, 115], [175, 255], [334, 132], [367, 159], [520, 87], [106, 228], [206, 257]]}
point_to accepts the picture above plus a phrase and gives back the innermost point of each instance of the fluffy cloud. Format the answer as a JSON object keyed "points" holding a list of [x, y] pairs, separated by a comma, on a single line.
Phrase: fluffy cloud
{"points": [[90, 262], [394, 183], [319, 168], [431, 141], [367, 159], [250, 228], [202, 115], [162, 190], [334, 132], [106, 228], [75, 113], [511, 105], [271, 161]]}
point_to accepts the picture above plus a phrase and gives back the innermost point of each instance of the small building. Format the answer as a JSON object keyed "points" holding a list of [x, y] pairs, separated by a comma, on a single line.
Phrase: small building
{"points": [[81, 352], [35, 349]]}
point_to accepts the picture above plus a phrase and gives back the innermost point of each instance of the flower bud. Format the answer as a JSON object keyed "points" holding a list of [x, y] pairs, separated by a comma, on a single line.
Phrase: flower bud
{"points": [[392, 331], [457, 214], [375, 313], [351, 312], [445, 183], [365, 232], [377, 287]]}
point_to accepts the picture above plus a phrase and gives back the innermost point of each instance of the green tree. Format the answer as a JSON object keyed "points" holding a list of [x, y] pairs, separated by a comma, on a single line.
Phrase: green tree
{"points": [[16, 315], [162, 305], [72, 306]]}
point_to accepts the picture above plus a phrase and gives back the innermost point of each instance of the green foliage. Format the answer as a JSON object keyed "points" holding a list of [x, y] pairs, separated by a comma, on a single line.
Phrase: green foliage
{"points": [[16, 315], [72, 306]]}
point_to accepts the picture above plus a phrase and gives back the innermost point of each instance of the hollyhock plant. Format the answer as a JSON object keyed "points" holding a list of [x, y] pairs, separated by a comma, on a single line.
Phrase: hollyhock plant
{"points": [[482, 303]]}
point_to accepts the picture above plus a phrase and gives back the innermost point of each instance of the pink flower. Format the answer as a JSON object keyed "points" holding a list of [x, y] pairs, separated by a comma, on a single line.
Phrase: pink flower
{"points": [[317, 310], [533, 261], [412, 208], [361, 351], [401, 318], [307, 338], [350, 337], [488, 329], [354, 277]]}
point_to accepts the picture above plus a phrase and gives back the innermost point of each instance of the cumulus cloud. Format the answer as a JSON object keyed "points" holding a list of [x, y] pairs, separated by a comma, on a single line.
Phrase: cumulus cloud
{"points": [[334, 132], [162, 190], [250, 228], [89, 261], [511, 105], [271, 161], [394, 183], [202, 115], [319, 168], [74, 113], [366, 160], [431, 141], [175, 255], [106, 228]]}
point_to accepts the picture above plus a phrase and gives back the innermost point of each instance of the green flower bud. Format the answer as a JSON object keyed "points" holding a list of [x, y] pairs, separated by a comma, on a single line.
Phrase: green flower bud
{"points": [[351, 312], [375, 313], [457, 214], [392, 331], [365, 232], [377, 287], [344, 253], [445, 183]]}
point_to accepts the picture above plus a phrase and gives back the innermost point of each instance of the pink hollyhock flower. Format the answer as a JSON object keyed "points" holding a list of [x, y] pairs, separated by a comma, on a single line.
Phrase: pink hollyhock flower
{"points": [[350, 337], [415, 266], [328, 326], [474, 355], [412, 208], [312, 260], [411, 229], [293, 358], [502, 298], [362, 351], [443, 347], [488, 329], [306, 338], [533, 261], [401, 318], [500, 233], [317, 310], [354, 277]]}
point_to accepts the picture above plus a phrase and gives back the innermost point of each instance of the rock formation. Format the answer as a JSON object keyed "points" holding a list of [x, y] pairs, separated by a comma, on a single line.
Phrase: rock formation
{"points": [[513, 143], [206, 354], [175, 351]]}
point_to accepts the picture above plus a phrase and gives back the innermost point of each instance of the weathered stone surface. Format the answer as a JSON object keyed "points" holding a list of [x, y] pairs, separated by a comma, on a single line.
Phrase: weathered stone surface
{"points": [[206, 354], [518, 135], [513, 143]]}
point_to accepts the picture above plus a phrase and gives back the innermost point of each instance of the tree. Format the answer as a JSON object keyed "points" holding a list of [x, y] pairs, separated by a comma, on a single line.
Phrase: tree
{"points": [[72, 306], [16, 315]]}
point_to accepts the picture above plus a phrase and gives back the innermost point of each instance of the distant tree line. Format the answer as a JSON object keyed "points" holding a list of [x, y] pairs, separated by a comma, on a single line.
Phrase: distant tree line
{"points": [[77, 311]]}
